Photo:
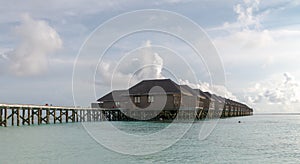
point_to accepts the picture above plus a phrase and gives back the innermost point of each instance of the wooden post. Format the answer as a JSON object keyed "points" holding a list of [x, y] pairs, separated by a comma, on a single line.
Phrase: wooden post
{"points": [[77, 116], [39, 114], [28, 116], [54, 115], [80, 117], [73, 115], [84, 114], [12, 117], [89, 115], [1, 117], [93, 115], [18, 117], [48, 116], [32, 116], [100, 115], [67, 115], [60, 115], [96, 115], [23, 117], [5, 117]]}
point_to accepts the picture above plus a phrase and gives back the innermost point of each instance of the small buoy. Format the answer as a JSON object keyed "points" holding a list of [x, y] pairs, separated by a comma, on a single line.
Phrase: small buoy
{"points": [[239, 122]]}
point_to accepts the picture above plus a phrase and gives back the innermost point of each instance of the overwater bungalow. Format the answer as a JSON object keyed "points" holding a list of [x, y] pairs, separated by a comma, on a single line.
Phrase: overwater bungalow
{"points": [[166, 95]]}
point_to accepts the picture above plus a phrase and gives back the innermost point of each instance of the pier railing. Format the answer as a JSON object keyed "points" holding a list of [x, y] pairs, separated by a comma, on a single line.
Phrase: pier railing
{"points": [[40, 114]]}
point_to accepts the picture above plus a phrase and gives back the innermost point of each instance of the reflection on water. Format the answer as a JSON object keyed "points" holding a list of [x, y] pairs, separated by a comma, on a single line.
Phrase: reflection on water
{"points": [[257, 139]]}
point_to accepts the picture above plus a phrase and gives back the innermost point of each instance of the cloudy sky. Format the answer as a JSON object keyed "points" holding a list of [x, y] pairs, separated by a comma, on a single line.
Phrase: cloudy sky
{"points": [[257, 42]]}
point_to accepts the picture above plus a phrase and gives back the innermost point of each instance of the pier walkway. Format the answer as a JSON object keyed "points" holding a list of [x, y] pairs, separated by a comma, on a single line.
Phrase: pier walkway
{"points": [[14, 114]]}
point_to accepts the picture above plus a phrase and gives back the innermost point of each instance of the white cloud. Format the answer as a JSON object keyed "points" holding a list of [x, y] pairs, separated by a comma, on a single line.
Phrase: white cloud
{"points": [[248, 17], [4, 52], [206, 87], [136, 66], [252, 52], [171, 2], [37, 41], [246, 40], [263, 49], [248, 43], [245, 11], [277, 90]]}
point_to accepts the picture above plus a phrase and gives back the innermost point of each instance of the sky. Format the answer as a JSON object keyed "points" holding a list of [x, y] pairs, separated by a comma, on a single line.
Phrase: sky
{"points": [[257, 43]]}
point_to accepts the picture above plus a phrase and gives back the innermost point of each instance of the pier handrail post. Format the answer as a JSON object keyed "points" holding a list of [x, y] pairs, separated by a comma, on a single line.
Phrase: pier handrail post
{"points": [[18, 116], [54, 116], [23, 115], [28, 116]]}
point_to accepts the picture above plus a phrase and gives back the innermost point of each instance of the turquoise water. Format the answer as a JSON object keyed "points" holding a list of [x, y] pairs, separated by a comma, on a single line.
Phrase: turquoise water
{"points": [[258, 139]]}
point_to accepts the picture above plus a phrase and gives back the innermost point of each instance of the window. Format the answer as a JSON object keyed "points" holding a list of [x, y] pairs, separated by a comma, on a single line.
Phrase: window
{"points": [[201, 104], [177, 100], [212, 105], [117, 104], [227, 107], [137, 99], [150, 99]]}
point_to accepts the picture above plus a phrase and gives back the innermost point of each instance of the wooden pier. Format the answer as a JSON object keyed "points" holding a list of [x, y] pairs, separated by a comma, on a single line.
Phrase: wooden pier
{"points": [[11, 115]]}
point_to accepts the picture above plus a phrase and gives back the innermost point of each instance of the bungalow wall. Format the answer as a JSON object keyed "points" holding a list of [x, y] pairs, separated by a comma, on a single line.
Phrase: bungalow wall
{"points": [[200, 103], [173, 102], [109, 104], [208, 104], [189, 102], [144, 103]]}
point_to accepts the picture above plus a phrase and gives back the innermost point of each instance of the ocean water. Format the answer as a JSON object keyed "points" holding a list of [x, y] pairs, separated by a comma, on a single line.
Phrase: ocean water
{"points": [[257, 139]]}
